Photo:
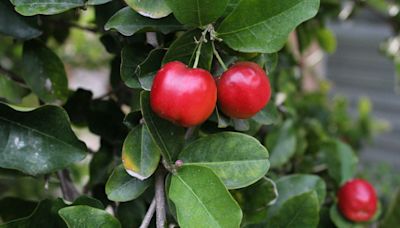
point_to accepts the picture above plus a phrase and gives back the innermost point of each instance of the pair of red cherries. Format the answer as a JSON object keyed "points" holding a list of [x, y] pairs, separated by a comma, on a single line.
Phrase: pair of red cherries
{"points": [[187, 96]]}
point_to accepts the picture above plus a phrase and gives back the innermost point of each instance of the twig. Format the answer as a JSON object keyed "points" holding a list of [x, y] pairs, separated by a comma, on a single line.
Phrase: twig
{"points": [[151, 38], [160, 198], [67, 188], [149, 214], [189, 132]]}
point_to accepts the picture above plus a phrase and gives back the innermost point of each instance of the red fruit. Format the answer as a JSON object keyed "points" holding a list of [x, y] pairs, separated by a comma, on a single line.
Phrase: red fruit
{"points": [[243, 90], [182, 95], [357, 200]]}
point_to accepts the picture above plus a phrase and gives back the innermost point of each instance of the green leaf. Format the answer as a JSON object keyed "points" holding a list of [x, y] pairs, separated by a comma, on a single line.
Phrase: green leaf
{"points": [[340, 159], [264, 25], [327, 40], [121, 187], [97, 2], [268, 115], [140, 155], [392, 218], [202, 200], [168, 137], [255, 199], [340, 221], [131, 214], [150, 8], [297, 184], [282, 144], [44, 72], [128, 22], [131, 57], [13, 208], [15, 25], [184, 49], [85, 216], [101, 165], [300, 211], [11, 90], [46, 7], [197, 13], [39, 141], [146, 70], [88, 201], [44, 215], [238, 159]]}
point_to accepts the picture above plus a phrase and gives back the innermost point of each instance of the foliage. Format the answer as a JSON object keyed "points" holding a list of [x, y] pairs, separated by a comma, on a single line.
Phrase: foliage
{"points": [[280, 168]]}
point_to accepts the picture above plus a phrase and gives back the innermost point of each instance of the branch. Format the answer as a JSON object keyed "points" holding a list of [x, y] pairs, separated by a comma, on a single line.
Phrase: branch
{"points": [[67, 188], [149, 214], [160, 198]]}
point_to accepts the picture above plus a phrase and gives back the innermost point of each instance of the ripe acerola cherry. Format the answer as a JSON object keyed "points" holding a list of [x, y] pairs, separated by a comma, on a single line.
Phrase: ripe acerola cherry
{"points": [[243, 90], [357, 200], [183, 95]]}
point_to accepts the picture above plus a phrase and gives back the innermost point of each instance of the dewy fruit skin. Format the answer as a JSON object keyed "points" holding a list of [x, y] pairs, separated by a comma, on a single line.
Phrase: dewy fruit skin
{"points": [[243, 90], [182, 95], [357, 200]]}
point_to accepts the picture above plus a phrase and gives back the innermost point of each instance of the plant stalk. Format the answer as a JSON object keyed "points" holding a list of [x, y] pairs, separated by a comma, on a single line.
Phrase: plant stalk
{"points": [[149, 214], [160, 197]]}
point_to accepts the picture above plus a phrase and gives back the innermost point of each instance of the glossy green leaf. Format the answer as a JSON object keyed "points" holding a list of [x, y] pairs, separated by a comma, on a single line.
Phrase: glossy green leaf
{"points": [[255, 199], [268, 115], [184, 49], [88, 201], [44, 72], [85, 216], [11, 90], [128, 22], [44, 215], [121, 187], [297, 184], [39, 141], [269, 25], [340, 159], [392, 217], [300, 211], [197, 13], [168, 137], [238, 159], [341, 221], [15, 25], [146, 70], [140, 155], [150, 8], [131, 57], [202, 200], [101, 165], [282, 144], [46, 7], [97, 2]]}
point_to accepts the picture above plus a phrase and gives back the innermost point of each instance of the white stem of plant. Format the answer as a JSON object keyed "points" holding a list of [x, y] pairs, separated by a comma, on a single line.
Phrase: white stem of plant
{"points": [[149, 214]]}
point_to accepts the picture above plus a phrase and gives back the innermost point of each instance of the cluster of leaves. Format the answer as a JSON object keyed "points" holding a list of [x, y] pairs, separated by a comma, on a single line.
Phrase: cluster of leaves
{"points": [[228, 177]]}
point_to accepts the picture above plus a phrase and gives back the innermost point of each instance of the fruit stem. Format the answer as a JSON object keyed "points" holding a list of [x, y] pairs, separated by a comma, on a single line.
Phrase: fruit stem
{"points": [[221, 62], [198, 52]]}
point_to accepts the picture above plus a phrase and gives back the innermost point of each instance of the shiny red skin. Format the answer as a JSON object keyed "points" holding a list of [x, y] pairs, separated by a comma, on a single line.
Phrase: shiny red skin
{"points": [[357, 200], [243, 90], [182, 95]]}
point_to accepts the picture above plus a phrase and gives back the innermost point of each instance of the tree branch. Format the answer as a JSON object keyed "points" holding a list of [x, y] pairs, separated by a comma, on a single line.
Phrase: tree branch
{"points": [[160, 197], [67, 188], [149, 214]]}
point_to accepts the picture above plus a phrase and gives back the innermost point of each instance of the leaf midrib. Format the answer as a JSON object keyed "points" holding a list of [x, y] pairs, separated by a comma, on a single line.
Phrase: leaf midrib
{"points": [[223, 162], [261, 22]]}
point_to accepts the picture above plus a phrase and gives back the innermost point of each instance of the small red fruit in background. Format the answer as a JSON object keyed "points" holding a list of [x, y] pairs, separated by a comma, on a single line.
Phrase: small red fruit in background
{"points": [[243, 90], [357, 200], [183, 95]]}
